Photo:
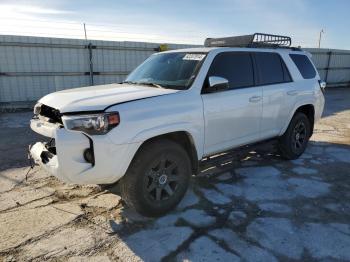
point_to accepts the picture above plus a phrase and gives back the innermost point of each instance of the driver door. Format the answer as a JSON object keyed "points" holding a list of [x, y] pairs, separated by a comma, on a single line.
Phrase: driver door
{"points": [[232, 116]]}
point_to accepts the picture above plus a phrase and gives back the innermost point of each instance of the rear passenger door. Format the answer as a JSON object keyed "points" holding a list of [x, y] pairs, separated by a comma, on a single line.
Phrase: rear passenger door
{"points": [[232, 116], [278, 97]]}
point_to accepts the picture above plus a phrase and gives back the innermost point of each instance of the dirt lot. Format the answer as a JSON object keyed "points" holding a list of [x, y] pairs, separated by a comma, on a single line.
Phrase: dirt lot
{"points": [[256, 208]]}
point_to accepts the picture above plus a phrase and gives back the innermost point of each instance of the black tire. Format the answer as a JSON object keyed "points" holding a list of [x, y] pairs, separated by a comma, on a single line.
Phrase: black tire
{"points": [[294, 141], [157, 178]]}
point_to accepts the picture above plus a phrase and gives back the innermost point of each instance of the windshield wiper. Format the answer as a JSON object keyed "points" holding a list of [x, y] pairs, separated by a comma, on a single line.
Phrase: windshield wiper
{"points": [[129, 82], [142, 83], [149, 84]]}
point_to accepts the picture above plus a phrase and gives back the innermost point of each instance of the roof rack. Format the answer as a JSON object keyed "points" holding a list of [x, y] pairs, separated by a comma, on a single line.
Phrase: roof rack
{"points": [[254, 40]]}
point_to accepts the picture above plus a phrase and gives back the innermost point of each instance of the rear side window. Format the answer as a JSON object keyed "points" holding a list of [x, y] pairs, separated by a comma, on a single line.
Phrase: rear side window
{"points": [[271, 69], [236, 67], [304, 66]]}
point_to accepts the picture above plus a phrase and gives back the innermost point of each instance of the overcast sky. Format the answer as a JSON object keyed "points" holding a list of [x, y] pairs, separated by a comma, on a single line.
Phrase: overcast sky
{"points": [[180, 21]]}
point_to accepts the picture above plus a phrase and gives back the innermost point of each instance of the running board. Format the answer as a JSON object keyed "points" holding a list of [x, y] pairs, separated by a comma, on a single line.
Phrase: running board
{"points": [[226, 159]]}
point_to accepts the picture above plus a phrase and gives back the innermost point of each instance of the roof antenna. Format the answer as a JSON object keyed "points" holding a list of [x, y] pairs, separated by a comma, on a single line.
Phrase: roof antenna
{"points": [[319, 39], [85, 32], [89, 47]]}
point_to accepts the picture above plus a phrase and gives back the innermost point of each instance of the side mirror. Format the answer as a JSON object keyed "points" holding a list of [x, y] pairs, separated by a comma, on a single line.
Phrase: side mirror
{"points": [[216, 83], [323, 85]]}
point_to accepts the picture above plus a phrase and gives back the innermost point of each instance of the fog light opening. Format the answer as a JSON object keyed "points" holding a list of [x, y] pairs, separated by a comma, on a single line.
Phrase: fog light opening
{"points": [[89, 156]]}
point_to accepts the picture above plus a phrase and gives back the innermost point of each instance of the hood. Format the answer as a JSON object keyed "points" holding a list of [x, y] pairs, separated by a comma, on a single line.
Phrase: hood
{"points": [[94, 98]]}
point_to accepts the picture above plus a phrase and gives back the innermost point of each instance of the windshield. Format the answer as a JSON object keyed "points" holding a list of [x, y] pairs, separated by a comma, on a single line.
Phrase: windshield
{"points": [[169, 70]]}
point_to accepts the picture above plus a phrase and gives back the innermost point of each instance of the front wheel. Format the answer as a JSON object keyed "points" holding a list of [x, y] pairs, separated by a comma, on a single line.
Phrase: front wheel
{"points": [[294, 141], [157, 178]]}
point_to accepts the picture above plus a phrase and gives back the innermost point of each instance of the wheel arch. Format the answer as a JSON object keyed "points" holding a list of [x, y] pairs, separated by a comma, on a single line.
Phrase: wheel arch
{"points": [[308, 109], [184, 139]]}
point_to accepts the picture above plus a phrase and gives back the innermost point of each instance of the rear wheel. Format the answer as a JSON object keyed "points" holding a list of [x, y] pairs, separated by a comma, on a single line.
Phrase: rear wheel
{"points": [[157, 178], [294, 141]]}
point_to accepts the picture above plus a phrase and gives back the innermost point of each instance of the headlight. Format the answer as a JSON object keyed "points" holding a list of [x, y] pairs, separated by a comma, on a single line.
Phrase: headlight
{"points": [[37, 108], [94, 124]]}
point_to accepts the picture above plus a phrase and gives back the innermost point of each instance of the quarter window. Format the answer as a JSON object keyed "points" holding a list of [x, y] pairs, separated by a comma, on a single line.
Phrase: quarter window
{"points": [[304, 66], [286, 74], [236, 67]]}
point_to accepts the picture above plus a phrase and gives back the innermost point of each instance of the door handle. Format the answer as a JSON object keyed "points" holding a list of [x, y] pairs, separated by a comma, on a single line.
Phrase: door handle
{"points": [[292, 92], [254, 99]]}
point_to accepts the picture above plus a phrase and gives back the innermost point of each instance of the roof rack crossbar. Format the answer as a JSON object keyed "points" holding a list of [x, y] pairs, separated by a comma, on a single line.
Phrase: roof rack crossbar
{"points": [[254, 40]]}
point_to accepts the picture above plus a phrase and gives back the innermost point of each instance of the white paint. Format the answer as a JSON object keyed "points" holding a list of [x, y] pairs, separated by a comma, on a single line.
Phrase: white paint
{"points": [[214, 121]]}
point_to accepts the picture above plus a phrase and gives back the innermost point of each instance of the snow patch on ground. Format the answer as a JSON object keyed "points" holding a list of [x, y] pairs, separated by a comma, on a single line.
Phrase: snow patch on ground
{"points": [[205, 250], [247, 251], [152, 244], [237, 217], [304, 170], [189, 199], [215, 197], [275, 207], [277, 234], [225, 176]]}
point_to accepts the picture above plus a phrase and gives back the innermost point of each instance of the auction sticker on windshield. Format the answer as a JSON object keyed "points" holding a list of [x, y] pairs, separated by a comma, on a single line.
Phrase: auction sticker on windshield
{"points": [[198, 57]]}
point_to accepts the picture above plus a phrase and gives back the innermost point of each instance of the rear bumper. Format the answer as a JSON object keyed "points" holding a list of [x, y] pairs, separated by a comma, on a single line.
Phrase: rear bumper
{"points": [[69, 165], [319, 106]]}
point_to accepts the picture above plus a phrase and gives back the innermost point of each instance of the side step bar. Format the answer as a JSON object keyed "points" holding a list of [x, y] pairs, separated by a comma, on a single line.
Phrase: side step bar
{"points": [[225, 160]]}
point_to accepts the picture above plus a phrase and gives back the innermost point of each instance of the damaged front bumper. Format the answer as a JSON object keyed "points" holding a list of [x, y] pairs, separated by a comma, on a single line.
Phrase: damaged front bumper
{"points": [[65, 158], [39, 154]]}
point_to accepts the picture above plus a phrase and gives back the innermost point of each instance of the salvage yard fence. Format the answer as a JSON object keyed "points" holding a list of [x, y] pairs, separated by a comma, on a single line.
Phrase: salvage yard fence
{"points": [[333, 65], [31, 67]]}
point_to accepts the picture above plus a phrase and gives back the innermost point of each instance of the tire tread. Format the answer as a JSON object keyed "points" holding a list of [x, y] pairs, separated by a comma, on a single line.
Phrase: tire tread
{"points": [[128, 189]]}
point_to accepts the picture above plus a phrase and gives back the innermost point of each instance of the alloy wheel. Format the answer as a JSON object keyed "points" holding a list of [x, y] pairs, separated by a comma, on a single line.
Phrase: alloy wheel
{"points": [[299, 136], [162, 179]]}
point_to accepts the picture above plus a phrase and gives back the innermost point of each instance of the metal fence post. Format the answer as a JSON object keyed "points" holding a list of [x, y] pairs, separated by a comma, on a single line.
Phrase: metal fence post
{"points": [[91, 66], [328, 64]]}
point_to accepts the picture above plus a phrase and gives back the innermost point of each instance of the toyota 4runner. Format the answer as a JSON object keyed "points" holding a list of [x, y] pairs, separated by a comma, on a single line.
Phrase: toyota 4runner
{"points": [[150, 132]]}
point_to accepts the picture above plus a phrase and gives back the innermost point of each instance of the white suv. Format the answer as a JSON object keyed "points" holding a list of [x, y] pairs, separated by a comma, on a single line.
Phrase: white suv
{"points": [[150, 132]]}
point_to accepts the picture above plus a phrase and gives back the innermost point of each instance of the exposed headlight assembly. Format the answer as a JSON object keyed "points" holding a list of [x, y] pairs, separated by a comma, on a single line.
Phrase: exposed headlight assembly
{"points": [[94, 124], [37, 108]]}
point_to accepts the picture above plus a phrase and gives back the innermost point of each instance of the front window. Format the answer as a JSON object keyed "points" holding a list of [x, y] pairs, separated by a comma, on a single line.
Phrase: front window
{"points": [[168, 70]]}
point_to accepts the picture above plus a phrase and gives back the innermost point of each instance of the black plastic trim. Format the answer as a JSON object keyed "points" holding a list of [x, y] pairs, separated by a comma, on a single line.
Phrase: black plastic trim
{"points": [[229, 89], [255, 73], [281, 61], [91, 148], [239, 149], [82, 112]]}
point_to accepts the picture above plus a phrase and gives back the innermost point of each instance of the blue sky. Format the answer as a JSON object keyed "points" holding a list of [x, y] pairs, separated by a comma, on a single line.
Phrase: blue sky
{"points": [[180, 21]]}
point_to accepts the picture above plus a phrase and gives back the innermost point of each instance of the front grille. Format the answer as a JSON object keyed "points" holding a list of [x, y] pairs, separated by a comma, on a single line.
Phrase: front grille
{"points": [[52, 114]]}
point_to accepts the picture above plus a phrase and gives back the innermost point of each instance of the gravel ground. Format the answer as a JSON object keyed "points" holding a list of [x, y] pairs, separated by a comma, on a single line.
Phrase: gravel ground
{"points": [[255, 208]]}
